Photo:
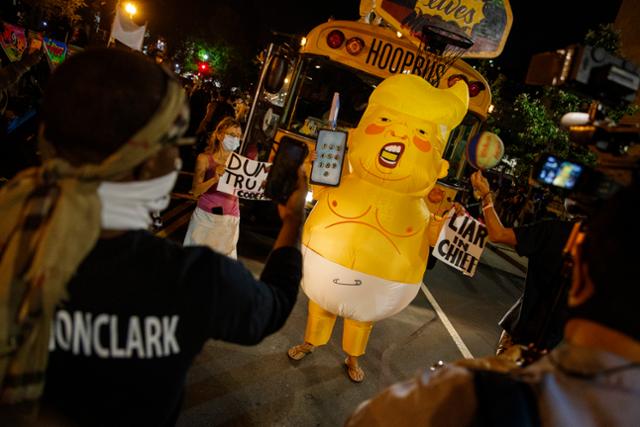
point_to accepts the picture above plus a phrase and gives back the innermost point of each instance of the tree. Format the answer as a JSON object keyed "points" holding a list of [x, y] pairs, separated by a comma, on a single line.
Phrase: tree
{"points": [[65, 9], [222, 61], [535, 126], [193, 52], [606, 37]]}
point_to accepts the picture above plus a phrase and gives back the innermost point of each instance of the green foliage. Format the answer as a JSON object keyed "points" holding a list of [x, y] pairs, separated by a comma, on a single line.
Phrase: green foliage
{"points": [[226, 62], [194, 51], [66, 9], [536, 129], [606, 37]]}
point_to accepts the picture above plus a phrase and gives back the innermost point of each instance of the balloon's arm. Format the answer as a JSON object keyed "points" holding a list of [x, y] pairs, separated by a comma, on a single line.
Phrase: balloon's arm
{"points": [[434, 227]]}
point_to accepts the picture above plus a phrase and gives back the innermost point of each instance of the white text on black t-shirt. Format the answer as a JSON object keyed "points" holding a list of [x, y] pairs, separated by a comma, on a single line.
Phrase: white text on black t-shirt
{"points": [[98, 335]]}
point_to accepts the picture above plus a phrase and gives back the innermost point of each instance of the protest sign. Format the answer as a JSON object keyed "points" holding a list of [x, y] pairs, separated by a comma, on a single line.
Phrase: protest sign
{"points": [[56, 51], [461, 242], [13, 41], [35, 41], [127, 32], [244, 178]]}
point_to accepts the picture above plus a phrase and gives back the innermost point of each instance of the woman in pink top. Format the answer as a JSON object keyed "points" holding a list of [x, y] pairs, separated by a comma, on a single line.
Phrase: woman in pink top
{"points": [[216, 220]]}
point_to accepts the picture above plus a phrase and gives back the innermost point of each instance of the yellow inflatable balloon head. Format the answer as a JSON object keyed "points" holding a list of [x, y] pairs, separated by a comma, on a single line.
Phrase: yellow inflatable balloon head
{"points": [[399, 141]]}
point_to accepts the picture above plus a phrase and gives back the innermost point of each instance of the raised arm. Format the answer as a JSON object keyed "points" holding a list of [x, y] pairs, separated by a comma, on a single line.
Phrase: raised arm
{"points": [[247, 310], [498, 233]]}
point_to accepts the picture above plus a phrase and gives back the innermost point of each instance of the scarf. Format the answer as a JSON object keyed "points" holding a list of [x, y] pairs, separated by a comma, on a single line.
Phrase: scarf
{"points": [[51, 217], [130, 205]]}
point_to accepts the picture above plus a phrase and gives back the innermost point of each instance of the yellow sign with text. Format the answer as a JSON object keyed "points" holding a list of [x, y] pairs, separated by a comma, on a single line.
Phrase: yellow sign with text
{"points": [[466, 14], [486, 22]]}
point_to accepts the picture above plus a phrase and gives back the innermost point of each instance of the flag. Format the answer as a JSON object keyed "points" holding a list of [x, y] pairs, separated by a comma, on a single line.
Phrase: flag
{"points": [[126, 31]]}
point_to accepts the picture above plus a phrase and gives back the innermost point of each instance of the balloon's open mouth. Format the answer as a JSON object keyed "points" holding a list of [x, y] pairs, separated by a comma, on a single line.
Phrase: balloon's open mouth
{"points": [[390, 154]]}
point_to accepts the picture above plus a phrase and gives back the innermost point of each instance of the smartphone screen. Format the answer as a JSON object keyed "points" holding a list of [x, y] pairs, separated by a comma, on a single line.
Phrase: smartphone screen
{"points": [[559, 173], [330, 151], [283, 174]]}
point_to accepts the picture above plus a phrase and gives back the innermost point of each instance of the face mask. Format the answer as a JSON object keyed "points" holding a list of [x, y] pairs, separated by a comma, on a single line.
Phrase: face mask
{"points": [[230, 143], [129, 205]]}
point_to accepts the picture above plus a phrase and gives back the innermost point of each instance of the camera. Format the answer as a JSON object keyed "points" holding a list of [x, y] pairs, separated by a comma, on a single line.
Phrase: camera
{"points": [[586, 186]]}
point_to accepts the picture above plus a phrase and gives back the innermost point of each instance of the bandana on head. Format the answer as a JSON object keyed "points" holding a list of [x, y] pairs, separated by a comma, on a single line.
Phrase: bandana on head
{"points": [[51, 219]]}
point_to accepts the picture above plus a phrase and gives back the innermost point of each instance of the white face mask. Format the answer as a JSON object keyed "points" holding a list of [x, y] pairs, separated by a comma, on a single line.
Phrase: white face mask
{"points": [[129, 205], [230, 143]]}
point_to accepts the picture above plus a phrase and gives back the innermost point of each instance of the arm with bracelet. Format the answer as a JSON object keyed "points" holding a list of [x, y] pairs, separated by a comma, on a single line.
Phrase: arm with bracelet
{"points": [[498, 233]]}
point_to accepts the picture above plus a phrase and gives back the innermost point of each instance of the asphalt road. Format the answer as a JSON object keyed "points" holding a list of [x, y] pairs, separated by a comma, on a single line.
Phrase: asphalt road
{"points": [[231, 385]]}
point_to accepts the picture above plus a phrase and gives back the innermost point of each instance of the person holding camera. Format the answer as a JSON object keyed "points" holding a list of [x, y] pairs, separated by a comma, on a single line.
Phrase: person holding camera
{"points": [[538, 316], [100, 318], [215, 222], [592, 378]]}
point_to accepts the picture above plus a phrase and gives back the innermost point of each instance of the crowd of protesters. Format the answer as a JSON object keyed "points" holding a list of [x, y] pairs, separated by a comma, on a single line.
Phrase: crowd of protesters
{"points": [[75, 255], [21, 86]]}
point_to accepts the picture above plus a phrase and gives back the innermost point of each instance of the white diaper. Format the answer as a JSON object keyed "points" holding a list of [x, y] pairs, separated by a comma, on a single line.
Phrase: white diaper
{"points": [[352, 294]]}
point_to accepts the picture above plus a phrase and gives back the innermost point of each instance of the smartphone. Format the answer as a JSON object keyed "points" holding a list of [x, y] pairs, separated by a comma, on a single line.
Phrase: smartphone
{"points": [[553, 171], [331, 147], [283, 175]]}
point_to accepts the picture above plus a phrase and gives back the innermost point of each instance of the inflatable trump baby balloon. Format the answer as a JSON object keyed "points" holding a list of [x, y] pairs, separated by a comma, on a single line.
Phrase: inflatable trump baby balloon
{"points": [[366, 242]]}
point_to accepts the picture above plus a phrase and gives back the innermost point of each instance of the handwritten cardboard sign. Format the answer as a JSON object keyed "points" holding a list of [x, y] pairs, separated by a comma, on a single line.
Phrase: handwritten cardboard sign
{"points": [[244, 178], [461, 242]]}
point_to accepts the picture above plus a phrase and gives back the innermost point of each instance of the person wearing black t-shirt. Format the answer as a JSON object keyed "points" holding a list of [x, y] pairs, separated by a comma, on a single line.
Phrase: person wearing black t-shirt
{"points": [[539, 314], [103, 318]]}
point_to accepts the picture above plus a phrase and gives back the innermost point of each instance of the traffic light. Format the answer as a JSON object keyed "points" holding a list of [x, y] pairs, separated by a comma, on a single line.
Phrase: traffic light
{"points": [[203, 68]]}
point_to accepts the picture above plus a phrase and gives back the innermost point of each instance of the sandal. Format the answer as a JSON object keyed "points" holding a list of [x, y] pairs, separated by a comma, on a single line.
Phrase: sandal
{"points": [[355, 373], [298, 352]]}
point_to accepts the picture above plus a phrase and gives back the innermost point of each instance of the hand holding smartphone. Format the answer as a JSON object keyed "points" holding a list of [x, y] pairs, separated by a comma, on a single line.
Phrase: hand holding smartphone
{"points": [[283, 176]]}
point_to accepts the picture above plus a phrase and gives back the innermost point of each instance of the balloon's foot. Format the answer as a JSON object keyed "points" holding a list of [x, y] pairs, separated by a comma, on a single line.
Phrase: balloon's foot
{"points": [[354, 371], [298, 352]]}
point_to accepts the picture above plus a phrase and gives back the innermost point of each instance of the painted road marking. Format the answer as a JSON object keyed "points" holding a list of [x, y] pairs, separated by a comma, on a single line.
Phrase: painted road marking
{"points": [[447, 324]]}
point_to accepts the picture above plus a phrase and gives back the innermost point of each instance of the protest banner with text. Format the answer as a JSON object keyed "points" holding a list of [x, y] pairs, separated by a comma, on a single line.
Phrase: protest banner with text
{"points": [[461, 242], [244, 178]]}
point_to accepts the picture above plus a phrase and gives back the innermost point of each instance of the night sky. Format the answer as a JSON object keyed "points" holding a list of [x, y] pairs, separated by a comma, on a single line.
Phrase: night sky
{"points": [[538, 25]]}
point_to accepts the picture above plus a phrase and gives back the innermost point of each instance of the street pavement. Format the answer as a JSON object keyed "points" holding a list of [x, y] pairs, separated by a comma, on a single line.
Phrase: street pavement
{"points": [[232, 385]]}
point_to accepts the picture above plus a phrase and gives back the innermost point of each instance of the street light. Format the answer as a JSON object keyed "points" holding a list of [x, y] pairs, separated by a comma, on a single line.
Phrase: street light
{"points": [[131, 9]]}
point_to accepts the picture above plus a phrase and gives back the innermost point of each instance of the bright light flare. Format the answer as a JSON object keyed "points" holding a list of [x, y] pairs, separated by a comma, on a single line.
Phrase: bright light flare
{"points": [[130, 8]]}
